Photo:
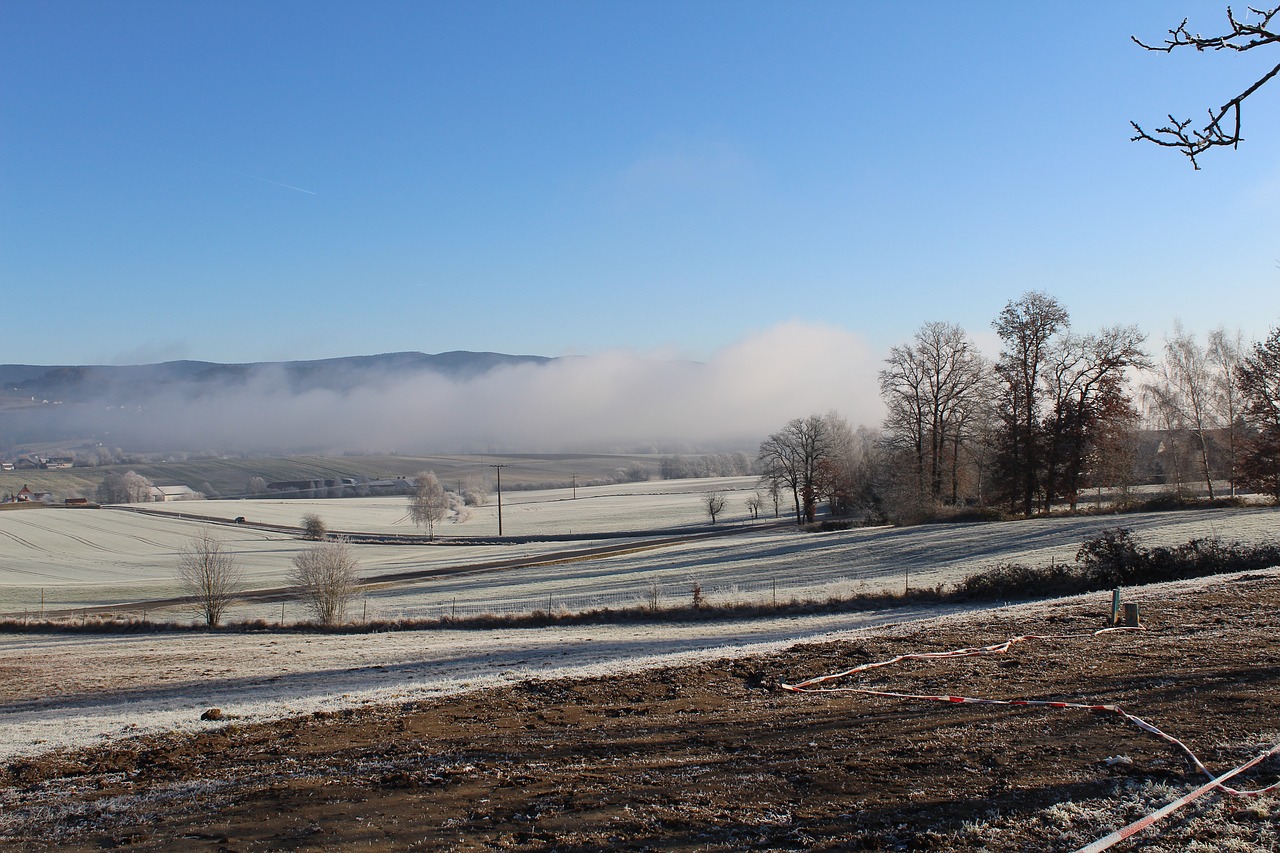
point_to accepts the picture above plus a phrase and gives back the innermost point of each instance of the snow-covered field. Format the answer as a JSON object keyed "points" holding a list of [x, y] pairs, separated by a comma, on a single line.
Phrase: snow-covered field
{"points": [[71, 558], [81, 558]]}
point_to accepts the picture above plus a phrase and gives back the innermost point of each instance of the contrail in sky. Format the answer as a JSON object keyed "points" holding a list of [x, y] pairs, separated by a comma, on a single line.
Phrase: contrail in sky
{"points": [[238, 172], [277, 183]]}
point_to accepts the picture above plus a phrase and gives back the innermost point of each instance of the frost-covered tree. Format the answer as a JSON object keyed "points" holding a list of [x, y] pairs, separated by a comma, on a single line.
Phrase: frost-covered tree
{"points": [[127, 488], [325, 576], [1255, 30], [428, 503], [313, 527], [208, 574]]}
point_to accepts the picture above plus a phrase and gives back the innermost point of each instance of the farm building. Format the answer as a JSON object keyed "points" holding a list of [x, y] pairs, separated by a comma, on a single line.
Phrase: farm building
{"points": [[25, 495], [309, 485], [165, 494]]}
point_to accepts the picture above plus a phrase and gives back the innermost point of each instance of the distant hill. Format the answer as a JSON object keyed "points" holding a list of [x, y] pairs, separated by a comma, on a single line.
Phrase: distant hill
{"points": [[124, 384], [51, 408]]}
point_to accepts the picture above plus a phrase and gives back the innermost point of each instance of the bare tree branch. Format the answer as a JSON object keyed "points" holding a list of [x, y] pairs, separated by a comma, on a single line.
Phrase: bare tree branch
{"points": [[1223, 127]]}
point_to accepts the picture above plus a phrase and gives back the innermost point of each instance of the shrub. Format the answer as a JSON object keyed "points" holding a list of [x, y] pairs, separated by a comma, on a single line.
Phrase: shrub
{"points": [[1016, 580], [313, 527], [1112, 558]]}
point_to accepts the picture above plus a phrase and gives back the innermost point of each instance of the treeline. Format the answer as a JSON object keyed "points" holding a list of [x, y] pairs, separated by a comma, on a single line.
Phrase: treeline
{"points": [[1058, 412], [710, 465]]}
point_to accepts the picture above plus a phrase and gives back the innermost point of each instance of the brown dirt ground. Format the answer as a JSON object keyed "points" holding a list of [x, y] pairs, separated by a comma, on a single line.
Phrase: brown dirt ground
{"points": [[715, 757]]}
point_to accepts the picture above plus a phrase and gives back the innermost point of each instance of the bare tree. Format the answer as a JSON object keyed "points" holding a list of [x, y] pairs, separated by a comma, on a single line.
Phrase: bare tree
{"points": [[1164, 416], [208, 574], [313, 527], [792, 457], [1027, 328], [1225, 352], [255, 486], [325, 576], [774, 489], [1084, 382], [754, 502], [1223, 126], [1184, 393], [837, 474], [932, 388], [428, 503], [713, 502]]}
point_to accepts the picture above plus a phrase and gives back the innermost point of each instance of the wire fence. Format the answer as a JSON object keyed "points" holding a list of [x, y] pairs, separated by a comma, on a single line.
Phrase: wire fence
{"points": [[406, 605], [653, 595]]}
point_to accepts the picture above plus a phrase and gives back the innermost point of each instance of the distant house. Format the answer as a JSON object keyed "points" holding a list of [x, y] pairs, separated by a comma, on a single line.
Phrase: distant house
{"points": [[29, 463], [388, 483], [59, 462], [6, 465], [25, 495], [165, 494]]}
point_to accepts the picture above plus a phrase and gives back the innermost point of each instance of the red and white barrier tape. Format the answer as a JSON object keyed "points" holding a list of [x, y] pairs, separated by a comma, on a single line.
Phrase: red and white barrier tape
{"points": [[808, 686], [1108, 841], [995, 649]]}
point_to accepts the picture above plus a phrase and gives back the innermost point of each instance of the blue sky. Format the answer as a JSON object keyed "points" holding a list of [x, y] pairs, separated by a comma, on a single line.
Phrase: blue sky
{"points": [[240, 181]]}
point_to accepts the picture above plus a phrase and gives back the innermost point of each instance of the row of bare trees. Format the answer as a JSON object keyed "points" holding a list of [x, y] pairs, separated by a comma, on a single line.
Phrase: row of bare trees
{"points": [[1058, 397], [820, 458], [1058, 412], [325, 576]]}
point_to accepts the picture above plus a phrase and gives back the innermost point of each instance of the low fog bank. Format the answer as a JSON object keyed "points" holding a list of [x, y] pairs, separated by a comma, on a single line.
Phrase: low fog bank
{"points": [[607, 402]]}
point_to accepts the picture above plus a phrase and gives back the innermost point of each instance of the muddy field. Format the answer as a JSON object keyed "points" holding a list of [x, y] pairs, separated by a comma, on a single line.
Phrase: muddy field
{"points": [[715, 756]]}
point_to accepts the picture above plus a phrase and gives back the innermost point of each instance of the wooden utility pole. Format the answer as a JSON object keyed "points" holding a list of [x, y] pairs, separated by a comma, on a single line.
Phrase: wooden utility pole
{"points": [[499, 470]]}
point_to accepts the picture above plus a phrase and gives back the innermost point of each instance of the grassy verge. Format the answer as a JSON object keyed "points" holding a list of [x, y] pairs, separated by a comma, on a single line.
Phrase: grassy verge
{"points": [[122, 623]]}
